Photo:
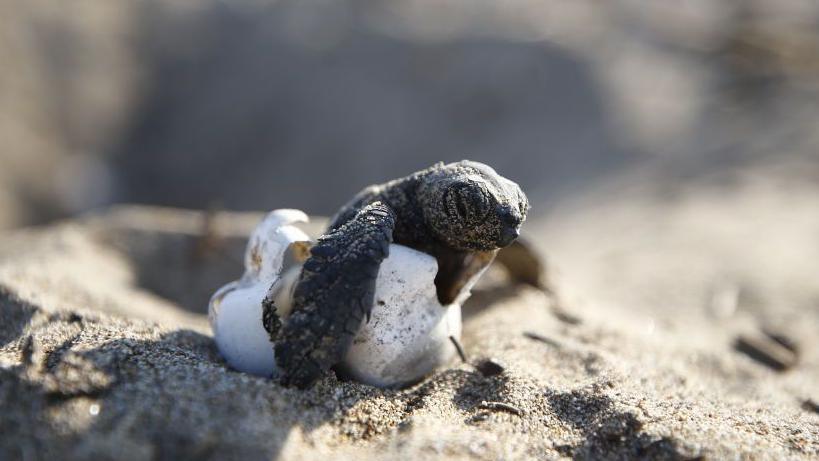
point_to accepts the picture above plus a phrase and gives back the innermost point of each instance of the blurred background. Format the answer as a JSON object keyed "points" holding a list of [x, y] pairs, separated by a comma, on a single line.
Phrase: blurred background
{"points": [[682, 132], [257, 104]]}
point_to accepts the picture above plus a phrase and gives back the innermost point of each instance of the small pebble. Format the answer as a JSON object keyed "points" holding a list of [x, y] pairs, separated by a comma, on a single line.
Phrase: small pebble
{"points": [[489, 367], [810, 405]]}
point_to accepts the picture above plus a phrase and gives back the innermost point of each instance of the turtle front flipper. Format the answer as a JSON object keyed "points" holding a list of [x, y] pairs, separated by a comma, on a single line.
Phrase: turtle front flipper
{"points": [[333, 295], [523, 264], [457, 273]]}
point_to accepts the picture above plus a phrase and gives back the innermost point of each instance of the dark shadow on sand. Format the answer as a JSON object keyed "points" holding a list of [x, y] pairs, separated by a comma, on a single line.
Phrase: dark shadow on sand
{"points": [[15, 315], [609, 433], [169, 398]]}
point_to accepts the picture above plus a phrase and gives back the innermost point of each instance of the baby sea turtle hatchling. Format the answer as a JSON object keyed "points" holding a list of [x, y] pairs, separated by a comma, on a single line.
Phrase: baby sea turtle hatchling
{"points": [[460, 213]]}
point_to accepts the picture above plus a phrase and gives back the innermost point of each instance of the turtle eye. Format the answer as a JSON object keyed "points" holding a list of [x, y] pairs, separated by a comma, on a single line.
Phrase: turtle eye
{"points": [[453, 203], [461, 206], [467, 202], [472, 203]]}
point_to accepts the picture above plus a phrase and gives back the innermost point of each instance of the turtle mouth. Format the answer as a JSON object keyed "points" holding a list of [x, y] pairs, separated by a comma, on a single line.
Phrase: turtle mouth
{"points": [[510, 221], [508, 235]]}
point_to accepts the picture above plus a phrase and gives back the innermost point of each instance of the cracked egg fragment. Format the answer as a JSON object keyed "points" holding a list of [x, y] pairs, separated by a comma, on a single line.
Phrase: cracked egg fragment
{"points": [[406, 337], [235, 310]]}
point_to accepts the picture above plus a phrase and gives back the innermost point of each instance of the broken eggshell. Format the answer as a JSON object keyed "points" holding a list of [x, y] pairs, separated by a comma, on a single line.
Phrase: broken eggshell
{"points": [[408, 333], [406, 337], [235, 310]]}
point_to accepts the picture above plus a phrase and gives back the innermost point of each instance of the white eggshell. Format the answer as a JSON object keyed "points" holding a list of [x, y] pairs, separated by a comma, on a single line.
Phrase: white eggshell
{"points": [[235, 310], [239, 334], [406, 337], [408, 332]]}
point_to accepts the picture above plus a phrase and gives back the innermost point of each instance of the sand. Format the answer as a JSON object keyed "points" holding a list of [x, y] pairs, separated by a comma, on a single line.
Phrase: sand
{"points": [[105, 353]]}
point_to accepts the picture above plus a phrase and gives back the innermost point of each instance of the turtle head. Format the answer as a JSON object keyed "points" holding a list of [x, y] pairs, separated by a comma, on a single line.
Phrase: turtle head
{"points": [[470, 207]]}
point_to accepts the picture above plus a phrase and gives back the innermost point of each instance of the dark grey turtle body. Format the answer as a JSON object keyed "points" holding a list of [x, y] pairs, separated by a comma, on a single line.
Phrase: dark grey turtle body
{"points": [[460, 213]]}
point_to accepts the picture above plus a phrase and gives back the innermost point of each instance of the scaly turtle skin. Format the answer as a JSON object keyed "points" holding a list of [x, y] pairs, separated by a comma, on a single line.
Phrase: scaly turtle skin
{"points": [[460, 213]]}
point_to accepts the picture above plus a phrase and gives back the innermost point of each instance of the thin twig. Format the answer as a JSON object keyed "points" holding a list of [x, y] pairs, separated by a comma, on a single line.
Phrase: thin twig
{"points": [[766, 351], [541, 338], [500, 406], [459, 348]]}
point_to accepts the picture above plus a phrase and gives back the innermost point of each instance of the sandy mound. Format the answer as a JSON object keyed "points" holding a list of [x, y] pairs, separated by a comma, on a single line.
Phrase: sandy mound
{"points": [[105, 353]]}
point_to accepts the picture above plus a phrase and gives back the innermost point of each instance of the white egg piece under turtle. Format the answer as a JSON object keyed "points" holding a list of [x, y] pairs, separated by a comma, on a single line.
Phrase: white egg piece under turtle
{"points": [[408, 333], [406, 338]]}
